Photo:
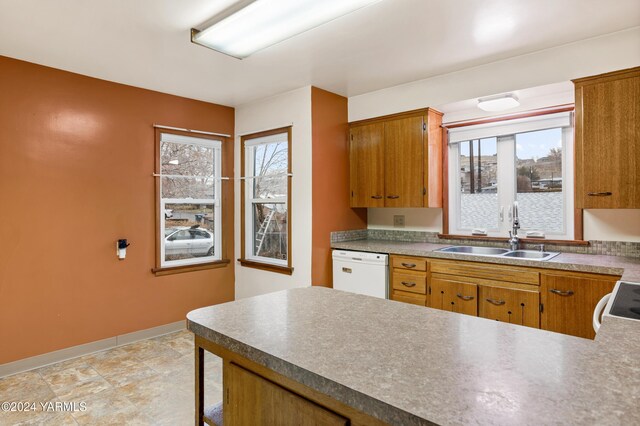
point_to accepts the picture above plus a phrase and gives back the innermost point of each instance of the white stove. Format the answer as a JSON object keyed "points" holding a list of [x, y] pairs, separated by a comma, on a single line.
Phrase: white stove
{"points": [[623, 302]]}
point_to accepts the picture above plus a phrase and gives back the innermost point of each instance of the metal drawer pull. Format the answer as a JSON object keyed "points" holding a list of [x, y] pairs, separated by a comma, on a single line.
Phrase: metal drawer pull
{"points": [[376, 197], [408, 284], [464, 297], [496, 302], [599, 194], [347, 270], [408, 265], [393, 197], [562, 293]]}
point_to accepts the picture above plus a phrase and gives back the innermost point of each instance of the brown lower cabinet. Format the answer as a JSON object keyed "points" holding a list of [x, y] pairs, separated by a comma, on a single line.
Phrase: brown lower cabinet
{"points": [[553, 300], [514, 306], [568, 301], [253, 400], [454, 296], [407, 297]]}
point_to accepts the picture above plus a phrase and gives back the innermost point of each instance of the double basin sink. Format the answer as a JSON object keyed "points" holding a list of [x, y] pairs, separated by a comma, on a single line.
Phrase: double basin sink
{"points": [[500, 252]]}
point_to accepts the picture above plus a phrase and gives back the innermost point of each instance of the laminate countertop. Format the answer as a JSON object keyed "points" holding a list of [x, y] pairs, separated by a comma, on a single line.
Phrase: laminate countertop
{"points": [[411, 365], [628, 267]]}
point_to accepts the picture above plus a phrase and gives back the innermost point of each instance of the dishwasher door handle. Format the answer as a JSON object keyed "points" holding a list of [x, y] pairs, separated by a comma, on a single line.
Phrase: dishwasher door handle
{"points": [[347, 270]]}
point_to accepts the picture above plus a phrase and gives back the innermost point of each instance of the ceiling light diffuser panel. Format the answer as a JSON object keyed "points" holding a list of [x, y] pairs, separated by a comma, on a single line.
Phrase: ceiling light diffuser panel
{"points": [[264, 23], [498, 103]]}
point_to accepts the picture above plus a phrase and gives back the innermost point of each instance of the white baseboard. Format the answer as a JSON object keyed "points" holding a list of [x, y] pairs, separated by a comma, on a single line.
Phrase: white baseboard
{"points": [[38, 361]]}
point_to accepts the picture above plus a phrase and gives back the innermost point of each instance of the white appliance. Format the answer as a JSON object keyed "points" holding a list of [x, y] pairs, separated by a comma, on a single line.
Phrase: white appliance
{"points": [[362, 273], [623, 302]]}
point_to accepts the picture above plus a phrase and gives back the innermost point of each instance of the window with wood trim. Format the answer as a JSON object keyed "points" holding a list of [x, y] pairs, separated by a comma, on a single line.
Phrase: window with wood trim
{"points": [[528, 161], [189, 200], [266, 199]]}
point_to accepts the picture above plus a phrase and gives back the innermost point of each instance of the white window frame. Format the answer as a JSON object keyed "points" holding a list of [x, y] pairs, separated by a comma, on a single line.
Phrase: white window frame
{"points": [[250, 200], [505, 132], [216, 145]]}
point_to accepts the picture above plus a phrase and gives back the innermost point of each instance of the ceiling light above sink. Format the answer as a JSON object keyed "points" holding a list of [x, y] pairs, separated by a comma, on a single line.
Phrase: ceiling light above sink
{"points": [[263, 23], [498, 103]]}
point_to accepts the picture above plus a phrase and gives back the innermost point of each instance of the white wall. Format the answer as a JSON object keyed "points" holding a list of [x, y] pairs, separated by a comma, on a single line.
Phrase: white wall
{"points": [[557, 65], [293, 107], [612, 225], [587, 57], [414, 219]]}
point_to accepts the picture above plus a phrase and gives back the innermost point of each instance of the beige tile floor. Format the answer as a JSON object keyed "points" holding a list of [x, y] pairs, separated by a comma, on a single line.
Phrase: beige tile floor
{"points": [[150, 382]]}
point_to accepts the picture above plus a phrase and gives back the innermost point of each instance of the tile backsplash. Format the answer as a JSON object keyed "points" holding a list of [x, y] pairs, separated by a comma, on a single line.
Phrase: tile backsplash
{"points": [[610, 248]]}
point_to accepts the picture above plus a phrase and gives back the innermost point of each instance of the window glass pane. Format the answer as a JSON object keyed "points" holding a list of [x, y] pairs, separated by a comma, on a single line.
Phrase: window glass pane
{"points": [[539, 180], [188, 231], [186, 160], [177, 187], [270, 230], [478, 186], [270, 187], [270, 159]]}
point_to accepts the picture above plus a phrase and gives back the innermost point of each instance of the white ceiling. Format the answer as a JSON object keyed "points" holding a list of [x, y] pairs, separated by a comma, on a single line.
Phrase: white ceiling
{"points": [[145, 43]]}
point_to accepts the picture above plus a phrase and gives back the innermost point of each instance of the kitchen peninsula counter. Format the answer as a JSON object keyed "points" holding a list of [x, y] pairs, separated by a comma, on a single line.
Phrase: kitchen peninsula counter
{"points": [[410, 365]]}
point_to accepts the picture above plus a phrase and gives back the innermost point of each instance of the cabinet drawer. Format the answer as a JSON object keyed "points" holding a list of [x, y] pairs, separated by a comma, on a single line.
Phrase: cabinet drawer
{"points": [[413, 263], [406, 297], [493, 272], [508, 305], [414, 282]]}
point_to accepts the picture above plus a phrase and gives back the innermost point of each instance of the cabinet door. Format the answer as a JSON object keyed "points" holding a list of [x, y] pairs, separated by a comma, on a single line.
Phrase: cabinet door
{"points": [[366, 162], [520, 307], [568, 303], [454, 296], [607, 149], [403, 181], [253, 400]]}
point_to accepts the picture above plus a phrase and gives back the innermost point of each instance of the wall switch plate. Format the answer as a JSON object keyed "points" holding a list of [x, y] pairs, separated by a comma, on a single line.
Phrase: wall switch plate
{"points": [[398, 221]]}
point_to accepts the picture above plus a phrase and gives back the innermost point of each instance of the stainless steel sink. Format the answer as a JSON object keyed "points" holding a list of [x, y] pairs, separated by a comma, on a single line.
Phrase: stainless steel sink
{"points": [[482, 251], [531, 254], [500, 252]]}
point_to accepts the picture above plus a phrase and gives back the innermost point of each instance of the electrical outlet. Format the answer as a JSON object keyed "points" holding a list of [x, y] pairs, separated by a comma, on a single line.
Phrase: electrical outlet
{"points": [[398, 221]]}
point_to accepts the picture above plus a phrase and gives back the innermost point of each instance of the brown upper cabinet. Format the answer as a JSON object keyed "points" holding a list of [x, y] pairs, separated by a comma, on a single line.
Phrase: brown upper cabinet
{"points": [[607, 131], [396, 161]]}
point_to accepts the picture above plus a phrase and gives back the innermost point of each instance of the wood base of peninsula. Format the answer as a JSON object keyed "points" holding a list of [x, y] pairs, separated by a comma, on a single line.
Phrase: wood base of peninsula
{"points": [[256, 395]]}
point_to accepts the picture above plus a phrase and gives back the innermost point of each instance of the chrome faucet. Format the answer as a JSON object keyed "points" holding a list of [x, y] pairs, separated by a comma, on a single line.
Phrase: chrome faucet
{"points": [[514, 241]]}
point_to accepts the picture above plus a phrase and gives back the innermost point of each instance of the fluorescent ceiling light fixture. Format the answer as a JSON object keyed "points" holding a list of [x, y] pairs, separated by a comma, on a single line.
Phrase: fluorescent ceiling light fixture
{"points": [[498, 103], [263, 23]]}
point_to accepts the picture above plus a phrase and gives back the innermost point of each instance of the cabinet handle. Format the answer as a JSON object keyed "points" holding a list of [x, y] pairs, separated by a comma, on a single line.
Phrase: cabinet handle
{"points": [[599, 194], [562, 293], [408, 284], [376, 197], [393, 197], [408, 265], [464, 297], [496, 302]]}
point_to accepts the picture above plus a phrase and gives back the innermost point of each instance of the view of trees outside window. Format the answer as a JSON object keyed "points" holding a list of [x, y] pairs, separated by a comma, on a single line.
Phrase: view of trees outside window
{"points": [[478, 184], [539, 179], [188, 193], [269, 212]]}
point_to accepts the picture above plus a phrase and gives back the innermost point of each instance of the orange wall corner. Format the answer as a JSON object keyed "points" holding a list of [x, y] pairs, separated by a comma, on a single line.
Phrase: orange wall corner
{"points": [[330, 180]]}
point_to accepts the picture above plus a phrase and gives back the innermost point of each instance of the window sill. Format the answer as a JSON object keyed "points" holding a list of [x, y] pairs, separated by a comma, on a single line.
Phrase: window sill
{"points": [[523, 240], [190, 268], [266, 266]]}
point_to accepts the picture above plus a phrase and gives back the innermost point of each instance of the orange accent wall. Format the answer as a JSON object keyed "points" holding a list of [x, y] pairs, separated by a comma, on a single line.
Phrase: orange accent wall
{"points": [[330, 180], [76, 164]]}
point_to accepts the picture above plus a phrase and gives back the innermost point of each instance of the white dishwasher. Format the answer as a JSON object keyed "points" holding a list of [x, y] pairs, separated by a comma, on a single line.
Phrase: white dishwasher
{"points": [[362, 273]]}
